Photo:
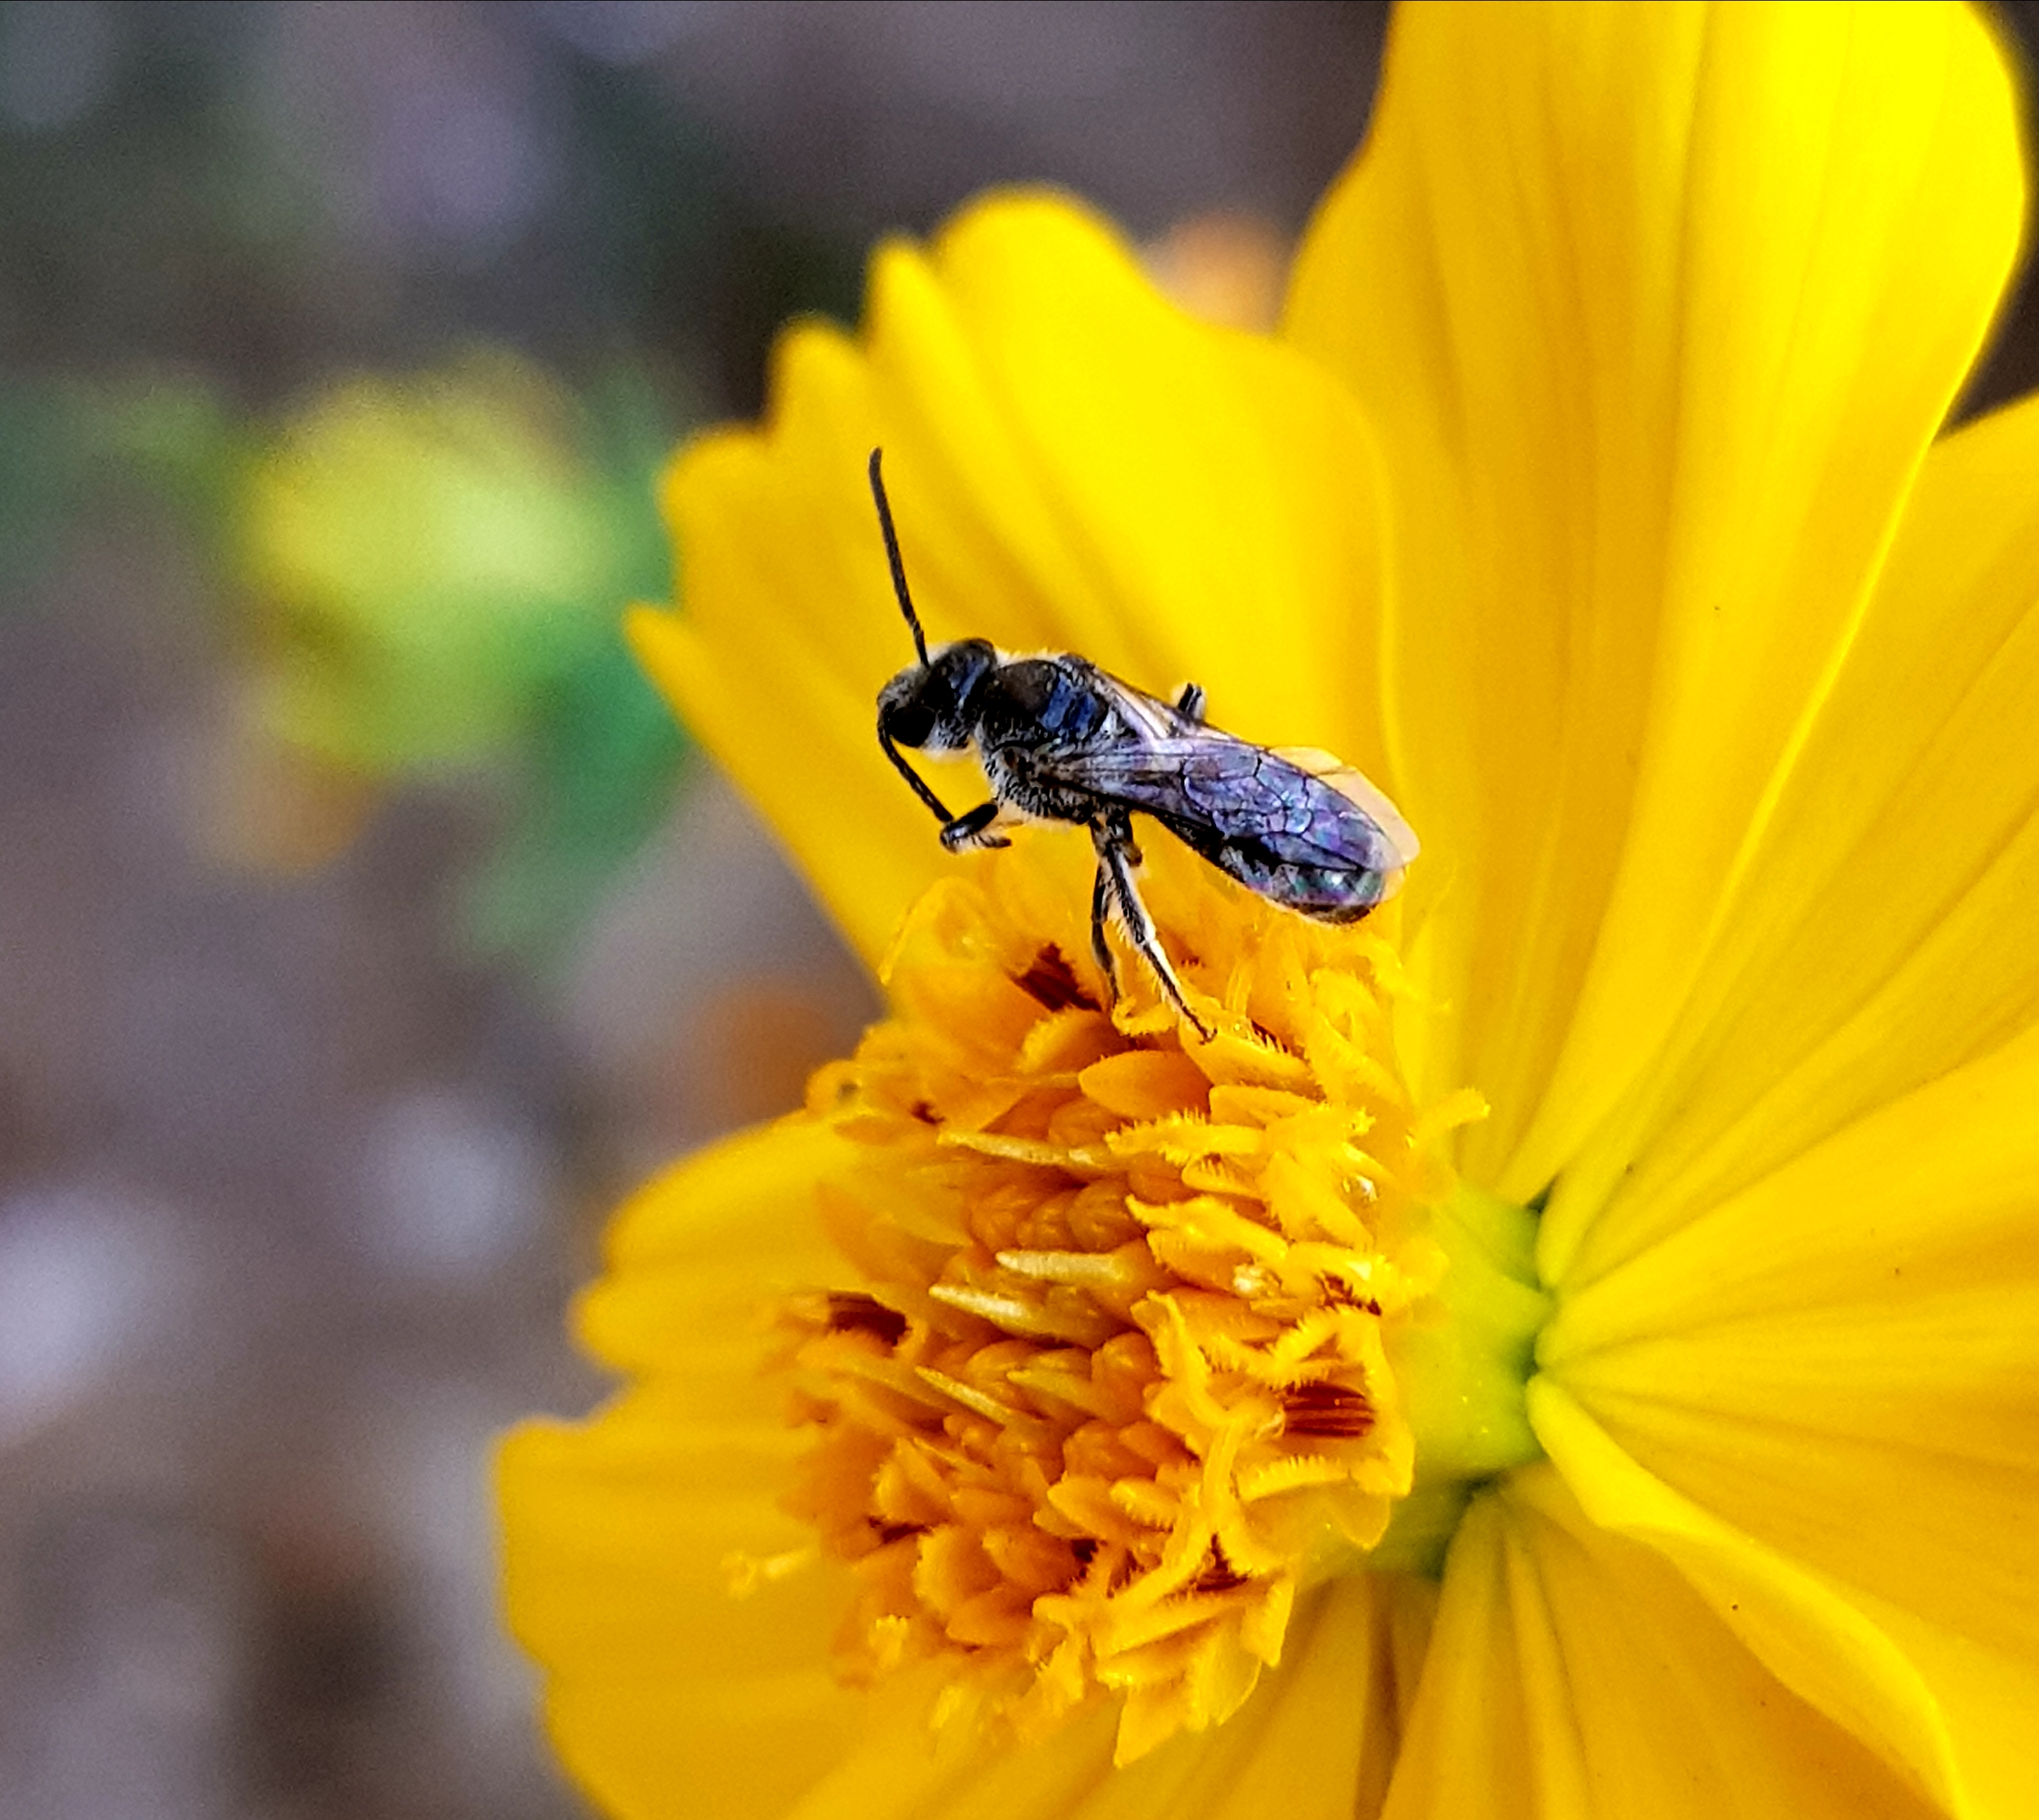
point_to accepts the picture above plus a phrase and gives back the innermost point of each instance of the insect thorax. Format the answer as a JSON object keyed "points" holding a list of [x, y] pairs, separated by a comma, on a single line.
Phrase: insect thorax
{"points": [[1044, 700], [1013, 782]]}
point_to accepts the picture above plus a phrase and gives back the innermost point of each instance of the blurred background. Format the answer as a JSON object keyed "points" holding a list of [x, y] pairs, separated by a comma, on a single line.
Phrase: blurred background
{"points": [[366, 927]]}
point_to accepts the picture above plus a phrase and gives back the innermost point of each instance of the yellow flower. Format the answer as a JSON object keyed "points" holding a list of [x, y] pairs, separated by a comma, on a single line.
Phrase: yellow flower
{"points": [[433, 562], [424, 548], [1166, 1399]]}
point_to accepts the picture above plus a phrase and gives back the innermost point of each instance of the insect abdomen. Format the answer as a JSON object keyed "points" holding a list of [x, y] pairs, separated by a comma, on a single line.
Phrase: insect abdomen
{"points": [[1325, 893]]}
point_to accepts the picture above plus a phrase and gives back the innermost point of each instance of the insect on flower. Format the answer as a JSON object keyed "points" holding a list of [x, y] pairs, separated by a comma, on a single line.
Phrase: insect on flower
{"points": [[1060, 740]]}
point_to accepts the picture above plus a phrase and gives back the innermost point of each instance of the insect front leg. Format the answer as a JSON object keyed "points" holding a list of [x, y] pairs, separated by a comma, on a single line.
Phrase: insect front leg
{"points": [[1117, 856], [976, 827], [890, 748], [1190, 704]]}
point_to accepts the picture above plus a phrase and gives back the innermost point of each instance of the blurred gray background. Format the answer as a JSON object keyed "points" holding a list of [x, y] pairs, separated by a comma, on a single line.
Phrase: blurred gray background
{"points": [[301, 1152]]}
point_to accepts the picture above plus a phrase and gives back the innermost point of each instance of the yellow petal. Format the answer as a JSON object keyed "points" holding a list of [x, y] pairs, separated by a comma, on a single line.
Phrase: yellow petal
{"points": [[903, 1771], [1574, 1674], [1842, 1361], [1466, 1752], [1327, 1744], [668, 1695], [1315, 1742], [668, 1698], [1074, 464], [1889, 931], [1988, 1697], [1814, 1642], [1655, 310], [696, 1255]]}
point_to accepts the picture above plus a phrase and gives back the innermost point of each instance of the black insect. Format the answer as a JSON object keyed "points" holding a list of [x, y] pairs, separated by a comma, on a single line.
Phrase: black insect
{"points": [[1060, 740]]}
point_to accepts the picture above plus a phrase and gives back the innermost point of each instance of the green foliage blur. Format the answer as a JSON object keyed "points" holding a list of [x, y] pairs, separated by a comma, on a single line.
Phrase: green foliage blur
{"points": [[434, 568]]}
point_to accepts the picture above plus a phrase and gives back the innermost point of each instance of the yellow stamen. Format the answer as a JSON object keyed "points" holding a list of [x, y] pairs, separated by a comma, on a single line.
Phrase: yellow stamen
{"points": [[1116, 1385]]}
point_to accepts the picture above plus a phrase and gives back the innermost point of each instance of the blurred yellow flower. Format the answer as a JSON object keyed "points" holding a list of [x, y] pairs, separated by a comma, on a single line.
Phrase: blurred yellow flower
{"points": [[421, 546], [1565, 1346], [433, 562]]}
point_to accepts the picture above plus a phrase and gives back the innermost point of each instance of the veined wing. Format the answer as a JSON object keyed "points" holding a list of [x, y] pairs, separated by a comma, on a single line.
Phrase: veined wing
{"points": [[1357, 787], [1211, 788]]}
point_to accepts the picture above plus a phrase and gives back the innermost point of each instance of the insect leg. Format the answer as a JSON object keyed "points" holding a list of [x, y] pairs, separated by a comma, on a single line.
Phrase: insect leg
{"points": [[1100, 913], [1116, 855], [974, 828], [1190, 704], [905, 770]]}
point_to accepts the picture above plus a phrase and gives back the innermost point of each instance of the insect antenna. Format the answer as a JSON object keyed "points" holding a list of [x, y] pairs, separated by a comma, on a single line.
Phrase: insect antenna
{"points": [[892, 557]]}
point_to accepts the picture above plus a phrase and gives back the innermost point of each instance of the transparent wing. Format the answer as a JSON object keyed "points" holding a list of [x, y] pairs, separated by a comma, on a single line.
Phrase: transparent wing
{"points": [[1209, 786]]}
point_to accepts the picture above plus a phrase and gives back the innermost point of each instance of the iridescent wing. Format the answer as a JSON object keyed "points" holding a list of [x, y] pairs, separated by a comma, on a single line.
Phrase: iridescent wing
{"points": [[1295, 825]]}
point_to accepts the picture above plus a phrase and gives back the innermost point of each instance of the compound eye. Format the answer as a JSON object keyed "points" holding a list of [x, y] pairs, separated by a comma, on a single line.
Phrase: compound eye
{"points": [[909, 723]]}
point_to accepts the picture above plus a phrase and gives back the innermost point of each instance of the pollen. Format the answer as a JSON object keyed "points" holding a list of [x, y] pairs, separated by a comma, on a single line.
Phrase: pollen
{"points": [[1108, 1383]]}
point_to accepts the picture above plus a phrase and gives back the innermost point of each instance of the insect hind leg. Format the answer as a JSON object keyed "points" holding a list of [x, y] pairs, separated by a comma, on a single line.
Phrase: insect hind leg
{"points": [[1100, 913], [1116, 857]]}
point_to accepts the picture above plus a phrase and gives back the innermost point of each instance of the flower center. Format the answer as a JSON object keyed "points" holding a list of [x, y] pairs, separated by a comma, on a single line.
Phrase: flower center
{"points": [[1120, 1376]]}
